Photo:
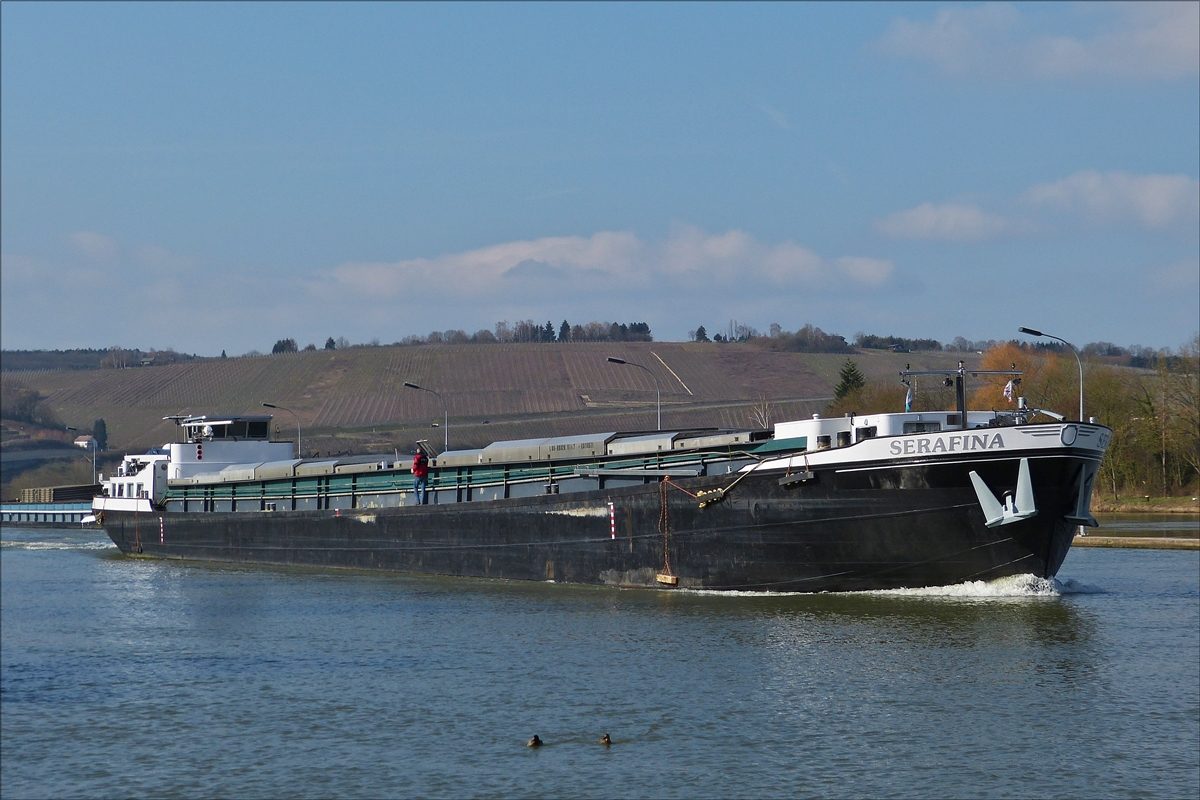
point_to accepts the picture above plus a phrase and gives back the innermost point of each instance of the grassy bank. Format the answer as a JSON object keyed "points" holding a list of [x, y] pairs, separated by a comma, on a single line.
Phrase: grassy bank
{"points": [[1145, 505]]}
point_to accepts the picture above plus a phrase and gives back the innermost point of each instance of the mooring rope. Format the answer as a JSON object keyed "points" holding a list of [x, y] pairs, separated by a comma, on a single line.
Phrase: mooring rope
{"points": [[674, 485], [664, 525]]}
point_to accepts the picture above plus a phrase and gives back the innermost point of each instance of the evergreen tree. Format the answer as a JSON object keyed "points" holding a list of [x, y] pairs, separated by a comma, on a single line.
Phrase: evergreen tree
{"points": [[639, 332], [330, 344], [223, 354], [548, 332], [284, 346], [849, 380], [100, 434], [564, 332], [701, 334]]}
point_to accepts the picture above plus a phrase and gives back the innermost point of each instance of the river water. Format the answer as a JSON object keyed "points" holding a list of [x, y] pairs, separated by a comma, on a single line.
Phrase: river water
{"points": [[123, 677]]}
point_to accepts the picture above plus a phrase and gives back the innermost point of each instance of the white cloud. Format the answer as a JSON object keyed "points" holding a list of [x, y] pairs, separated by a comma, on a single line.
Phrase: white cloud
{"points": [[689, 261], [160, 259], [953, 41], [867, 271], [1150, 41], [1151, 201], [952, 221], [94, 246]]}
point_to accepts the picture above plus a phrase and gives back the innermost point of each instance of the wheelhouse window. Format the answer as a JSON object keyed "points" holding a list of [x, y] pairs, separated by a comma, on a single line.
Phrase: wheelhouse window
{"points": [[922, 427], [235, 430]]}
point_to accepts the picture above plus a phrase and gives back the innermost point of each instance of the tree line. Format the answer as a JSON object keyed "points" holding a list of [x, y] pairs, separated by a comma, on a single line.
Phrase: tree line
{"points": [[115, 357], [811, 339], [808, 339], [520, 332]]}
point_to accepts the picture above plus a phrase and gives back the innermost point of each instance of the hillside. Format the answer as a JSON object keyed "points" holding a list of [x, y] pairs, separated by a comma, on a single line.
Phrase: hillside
{"points": [[354, 399]]}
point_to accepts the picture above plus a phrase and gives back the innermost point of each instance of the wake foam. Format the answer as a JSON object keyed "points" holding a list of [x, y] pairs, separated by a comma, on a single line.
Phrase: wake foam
{"points": [[1013, 586], [59, 545]]}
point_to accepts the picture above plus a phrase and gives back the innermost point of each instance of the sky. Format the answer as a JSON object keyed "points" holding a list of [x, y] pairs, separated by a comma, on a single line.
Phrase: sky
{"points": [[210, 177]]}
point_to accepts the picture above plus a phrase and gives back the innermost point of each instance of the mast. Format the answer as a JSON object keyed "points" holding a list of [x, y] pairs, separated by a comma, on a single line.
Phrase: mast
{"points": [[957, 379]]}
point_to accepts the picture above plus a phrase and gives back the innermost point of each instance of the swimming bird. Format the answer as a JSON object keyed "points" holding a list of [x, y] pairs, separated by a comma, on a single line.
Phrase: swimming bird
{"points": [[604, 740], [534, 742]]}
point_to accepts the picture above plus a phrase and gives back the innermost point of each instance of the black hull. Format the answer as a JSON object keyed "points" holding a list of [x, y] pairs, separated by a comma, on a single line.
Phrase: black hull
{"points": [[882, 527]]}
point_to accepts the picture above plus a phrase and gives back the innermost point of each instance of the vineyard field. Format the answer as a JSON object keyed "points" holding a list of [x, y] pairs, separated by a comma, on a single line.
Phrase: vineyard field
{"points": [[521, 390]]}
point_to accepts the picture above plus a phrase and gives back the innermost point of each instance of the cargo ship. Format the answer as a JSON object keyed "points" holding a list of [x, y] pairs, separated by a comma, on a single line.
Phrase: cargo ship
{"points": [[873, 501]]}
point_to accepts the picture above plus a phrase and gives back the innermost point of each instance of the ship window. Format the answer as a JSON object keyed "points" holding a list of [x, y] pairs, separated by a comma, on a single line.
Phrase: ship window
{"points": [[922, 427], [258, 430], [237, 430], [120, 490], [823, 442], [219, 431], [140, 489], [865, 433], [843, 439]]}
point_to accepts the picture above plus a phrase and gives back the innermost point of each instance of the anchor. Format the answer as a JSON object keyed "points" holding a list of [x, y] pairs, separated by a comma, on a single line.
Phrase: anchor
{"points": [[1016, 510]]}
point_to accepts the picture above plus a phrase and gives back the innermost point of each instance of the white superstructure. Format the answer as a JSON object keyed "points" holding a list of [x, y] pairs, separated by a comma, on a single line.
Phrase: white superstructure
{"points": [[210, 445]]}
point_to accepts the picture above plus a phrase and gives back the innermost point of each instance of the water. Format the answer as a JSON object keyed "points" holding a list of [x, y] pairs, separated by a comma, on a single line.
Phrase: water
{"points": [[1175, 526], [121, 677]]}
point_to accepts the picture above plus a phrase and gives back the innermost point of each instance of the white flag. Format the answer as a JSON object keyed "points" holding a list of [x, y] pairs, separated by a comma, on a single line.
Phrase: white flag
{"points": [[1008, 391], [908, 400]]}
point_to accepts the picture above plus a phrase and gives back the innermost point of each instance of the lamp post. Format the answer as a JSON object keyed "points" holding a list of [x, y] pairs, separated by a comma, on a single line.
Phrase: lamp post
{"points": [[651, 374], [1032, 332], [91, 446], [445, 414], [299, 440]]}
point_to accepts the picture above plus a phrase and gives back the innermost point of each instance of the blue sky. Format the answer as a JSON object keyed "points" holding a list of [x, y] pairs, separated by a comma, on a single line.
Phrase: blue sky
{"points": [[219, 176]]}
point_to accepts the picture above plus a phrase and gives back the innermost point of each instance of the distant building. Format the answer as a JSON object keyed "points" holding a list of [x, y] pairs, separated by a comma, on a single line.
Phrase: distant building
{"points": [[86, 442]]}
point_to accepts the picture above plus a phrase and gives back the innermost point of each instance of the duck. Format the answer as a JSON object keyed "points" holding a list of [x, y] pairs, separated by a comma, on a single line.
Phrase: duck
{"points": [[534, 742], [605, 740]]}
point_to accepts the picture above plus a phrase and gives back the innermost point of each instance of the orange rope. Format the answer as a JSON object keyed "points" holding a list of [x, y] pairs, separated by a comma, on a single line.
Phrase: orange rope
{"points": [[674, 485]]}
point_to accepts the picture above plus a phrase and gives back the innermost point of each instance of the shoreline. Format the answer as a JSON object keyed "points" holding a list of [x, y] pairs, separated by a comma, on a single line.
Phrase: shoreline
{"points": [[1137, 542]]}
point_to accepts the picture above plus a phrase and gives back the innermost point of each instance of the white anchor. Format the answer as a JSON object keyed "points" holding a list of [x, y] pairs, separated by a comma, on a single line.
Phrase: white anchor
{"points": [[1013, 510]]}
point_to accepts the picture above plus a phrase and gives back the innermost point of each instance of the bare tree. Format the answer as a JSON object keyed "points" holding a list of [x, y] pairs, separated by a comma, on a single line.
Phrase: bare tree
{"points": [[760, 413]]}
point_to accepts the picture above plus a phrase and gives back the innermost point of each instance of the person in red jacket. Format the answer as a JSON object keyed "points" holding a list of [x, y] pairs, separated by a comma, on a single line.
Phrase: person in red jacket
{"points": [[420, 469]]}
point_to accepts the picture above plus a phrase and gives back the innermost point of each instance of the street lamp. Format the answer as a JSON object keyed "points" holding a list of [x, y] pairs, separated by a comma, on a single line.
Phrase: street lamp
{"points": [[91, 446], [1032, 332], [299, 440], [445, 413], [651, 374]]}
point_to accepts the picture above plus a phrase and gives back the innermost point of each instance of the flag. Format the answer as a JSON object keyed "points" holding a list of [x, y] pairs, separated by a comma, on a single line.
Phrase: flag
{"points": [[1008, 391], [908, 400]]}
